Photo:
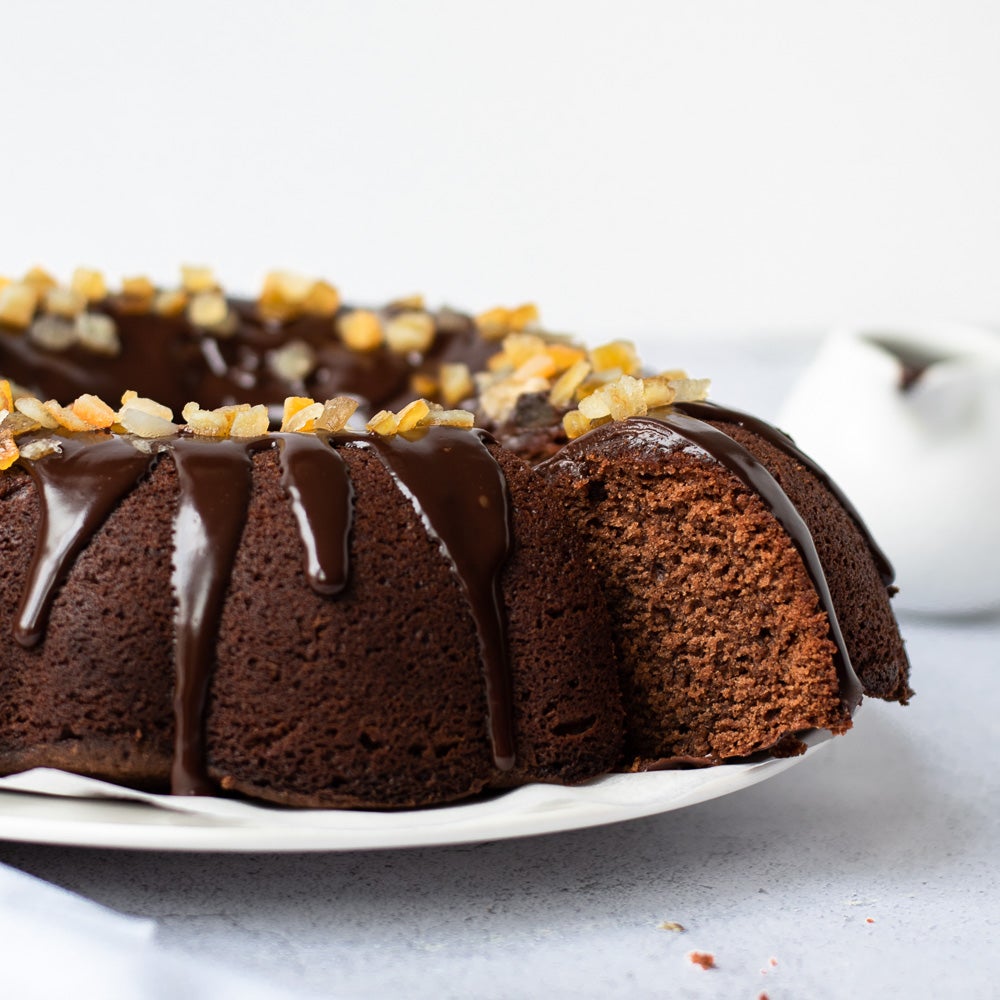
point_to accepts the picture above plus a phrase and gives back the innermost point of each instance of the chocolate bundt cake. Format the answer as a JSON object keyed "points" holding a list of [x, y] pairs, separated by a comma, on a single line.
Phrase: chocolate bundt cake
{"points": [[322, 618], [326, 617]]}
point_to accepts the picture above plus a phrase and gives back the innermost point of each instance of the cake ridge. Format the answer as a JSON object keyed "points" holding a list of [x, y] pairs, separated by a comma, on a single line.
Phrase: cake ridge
{"points": [[475, 538]]}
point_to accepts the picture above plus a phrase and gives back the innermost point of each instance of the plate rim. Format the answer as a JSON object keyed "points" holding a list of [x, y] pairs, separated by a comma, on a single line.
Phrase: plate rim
{"points": [[32, 817]]}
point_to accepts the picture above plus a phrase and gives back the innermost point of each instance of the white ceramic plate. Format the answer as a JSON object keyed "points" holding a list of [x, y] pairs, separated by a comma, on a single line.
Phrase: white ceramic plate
{"points": [[52, 807]]}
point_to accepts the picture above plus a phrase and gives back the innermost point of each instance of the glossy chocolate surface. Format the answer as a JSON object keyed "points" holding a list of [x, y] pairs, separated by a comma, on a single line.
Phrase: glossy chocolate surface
{"points": [[168, 359]]}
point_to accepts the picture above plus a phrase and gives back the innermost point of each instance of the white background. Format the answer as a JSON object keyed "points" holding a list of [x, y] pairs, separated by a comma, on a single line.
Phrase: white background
{"points": [[638, 168]]}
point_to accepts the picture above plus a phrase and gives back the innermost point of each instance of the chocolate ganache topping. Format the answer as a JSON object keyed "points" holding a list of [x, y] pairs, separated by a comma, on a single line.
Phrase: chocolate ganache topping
{"points": [[448, 475], [172, 360]]}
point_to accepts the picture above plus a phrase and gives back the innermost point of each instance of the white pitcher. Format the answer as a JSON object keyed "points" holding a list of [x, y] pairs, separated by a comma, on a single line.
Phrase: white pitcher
{"points": [[907, 421]]}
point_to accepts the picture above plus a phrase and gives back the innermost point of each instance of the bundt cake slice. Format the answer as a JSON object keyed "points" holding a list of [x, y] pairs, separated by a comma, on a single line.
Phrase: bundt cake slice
{"points": [[858, 573], [748, 603], [314, 617]]}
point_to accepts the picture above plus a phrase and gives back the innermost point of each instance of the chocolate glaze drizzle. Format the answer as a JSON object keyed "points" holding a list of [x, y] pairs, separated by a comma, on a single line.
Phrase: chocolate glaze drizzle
{"points": [[77, 492], [447, 474], [322, 496], [215, 479], [670, 429]]}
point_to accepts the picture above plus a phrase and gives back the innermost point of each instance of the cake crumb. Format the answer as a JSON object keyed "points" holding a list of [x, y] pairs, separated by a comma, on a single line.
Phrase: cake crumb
{"points": [[772, 961], [703, 958], [672, 925], [868, 920]]}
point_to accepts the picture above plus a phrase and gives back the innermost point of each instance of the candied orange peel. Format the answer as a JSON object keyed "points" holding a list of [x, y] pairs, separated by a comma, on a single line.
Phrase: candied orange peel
{"points": [[18, 301], [286, 295], [416, 415], [361, 330], [553, 365], [628, 396], [497, 323]]}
